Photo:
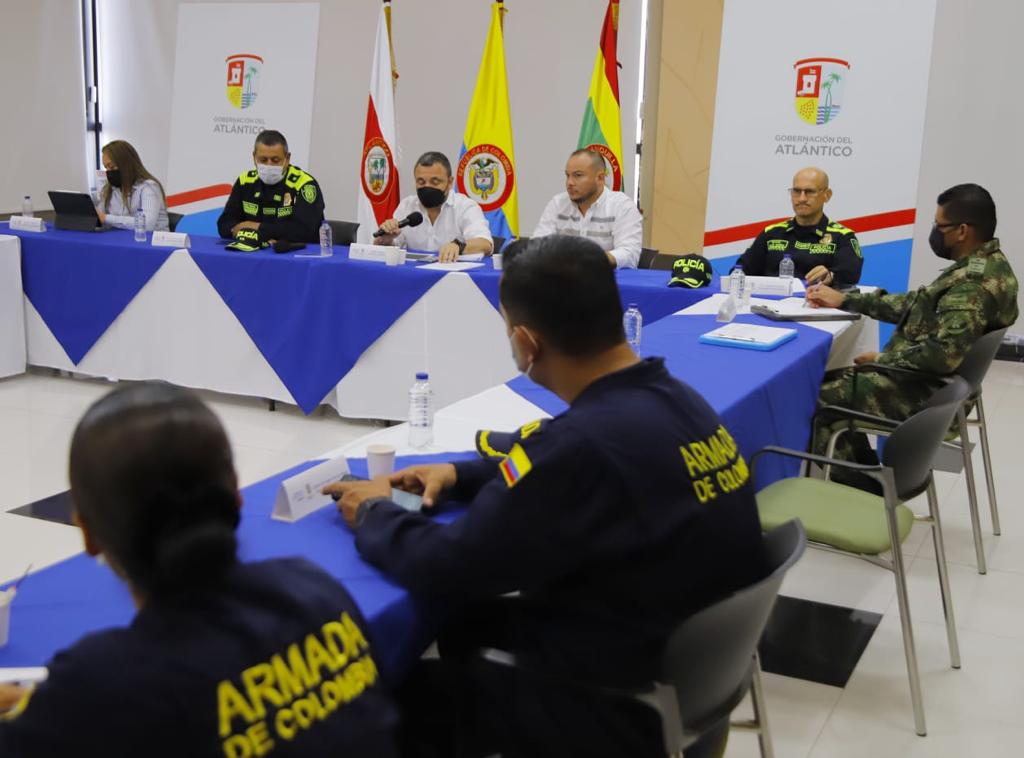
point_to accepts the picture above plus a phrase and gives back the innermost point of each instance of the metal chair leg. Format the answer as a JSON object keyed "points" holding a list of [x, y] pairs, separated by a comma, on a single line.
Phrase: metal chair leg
{"points": [[764, 736], [972, 493], [940, 560], [986, 458], [908, 633]]}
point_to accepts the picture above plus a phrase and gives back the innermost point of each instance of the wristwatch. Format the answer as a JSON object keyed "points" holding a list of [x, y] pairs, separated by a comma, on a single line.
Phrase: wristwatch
{"points": [[461, 244]]}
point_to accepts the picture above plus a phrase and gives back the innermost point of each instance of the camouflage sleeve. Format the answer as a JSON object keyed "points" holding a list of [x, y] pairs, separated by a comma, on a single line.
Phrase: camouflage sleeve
{"points": [[753, 260], [848, 262], [960, 320], [879, 305]]}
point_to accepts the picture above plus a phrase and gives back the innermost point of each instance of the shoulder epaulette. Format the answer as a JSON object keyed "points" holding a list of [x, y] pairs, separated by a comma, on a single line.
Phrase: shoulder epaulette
{"points": [[779, 225], [296, 178], [838, 228], [248, 177]]}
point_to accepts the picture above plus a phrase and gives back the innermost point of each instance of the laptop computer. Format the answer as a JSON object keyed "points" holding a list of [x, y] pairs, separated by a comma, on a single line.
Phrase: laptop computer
{"points": [[75, 211]]}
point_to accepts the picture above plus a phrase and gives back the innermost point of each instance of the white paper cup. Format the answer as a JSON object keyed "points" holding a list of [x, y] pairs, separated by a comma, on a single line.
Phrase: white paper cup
{"points": [[380, 460], [497, 260], [5, 615], [394, 256]]}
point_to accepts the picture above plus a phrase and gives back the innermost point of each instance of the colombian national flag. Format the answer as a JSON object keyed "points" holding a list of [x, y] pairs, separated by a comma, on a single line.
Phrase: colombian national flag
{"points": [[515, 466], [602, 119], [486, 170]]}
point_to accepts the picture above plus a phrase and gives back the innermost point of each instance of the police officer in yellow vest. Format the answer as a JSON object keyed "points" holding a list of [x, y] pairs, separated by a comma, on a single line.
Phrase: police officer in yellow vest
{"points": [[822, 251], [274, 201]]}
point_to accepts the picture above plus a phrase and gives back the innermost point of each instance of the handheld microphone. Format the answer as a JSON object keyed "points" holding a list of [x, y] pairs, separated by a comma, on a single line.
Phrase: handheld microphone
{"points": [[413, 219]]}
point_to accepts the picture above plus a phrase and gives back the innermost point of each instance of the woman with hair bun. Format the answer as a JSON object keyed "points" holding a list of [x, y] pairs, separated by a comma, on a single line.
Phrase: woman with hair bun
{"points": [[223, 658]]}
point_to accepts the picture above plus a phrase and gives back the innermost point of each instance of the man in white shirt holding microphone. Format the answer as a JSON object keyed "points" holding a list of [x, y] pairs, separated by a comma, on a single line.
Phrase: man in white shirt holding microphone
{"points": [[452, 224]]}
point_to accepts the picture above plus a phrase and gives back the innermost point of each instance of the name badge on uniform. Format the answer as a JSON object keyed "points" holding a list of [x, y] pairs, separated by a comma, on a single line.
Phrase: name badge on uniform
{"points": [[300, 495]]}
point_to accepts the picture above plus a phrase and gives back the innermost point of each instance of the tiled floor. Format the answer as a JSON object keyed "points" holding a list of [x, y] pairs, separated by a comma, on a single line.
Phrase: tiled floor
{"points": [[976, 711]]}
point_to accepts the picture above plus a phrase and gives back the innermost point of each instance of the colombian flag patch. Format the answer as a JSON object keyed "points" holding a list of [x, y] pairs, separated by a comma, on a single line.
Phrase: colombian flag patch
{"points": [[516, 466]]}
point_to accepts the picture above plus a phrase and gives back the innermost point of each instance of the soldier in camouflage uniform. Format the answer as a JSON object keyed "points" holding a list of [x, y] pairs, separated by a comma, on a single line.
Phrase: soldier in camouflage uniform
{"points": [[936, 325]]}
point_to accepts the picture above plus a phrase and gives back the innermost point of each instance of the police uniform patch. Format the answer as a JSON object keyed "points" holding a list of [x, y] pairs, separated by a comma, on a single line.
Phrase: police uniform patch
{"points": [[777, 245], [516, 466], [856, 247], [309, 193], [287, 199], [826, 239]]}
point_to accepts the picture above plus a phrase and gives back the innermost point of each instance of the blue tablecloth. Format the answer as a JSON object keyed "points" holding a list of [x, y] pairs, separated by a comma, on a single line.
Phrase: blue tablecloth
{"points": [[58, 605], [764, 398], [311, 318]]}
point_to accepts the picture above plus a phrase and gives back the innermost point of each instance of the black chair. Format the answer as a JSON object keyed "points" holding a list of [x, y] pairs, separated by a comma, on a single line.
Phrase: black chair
{"points": [[973, 369], [173, 219], [841, 519], [647, 256], [664, 261], [710, 660], [498, 242], [343, 232]]}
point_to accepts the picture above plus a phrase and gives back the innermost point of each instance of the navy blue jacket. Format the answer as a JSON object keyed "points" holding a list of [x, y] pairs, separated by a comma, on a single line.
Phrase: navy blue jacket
{"points": [[276, 657], [615, 520]]}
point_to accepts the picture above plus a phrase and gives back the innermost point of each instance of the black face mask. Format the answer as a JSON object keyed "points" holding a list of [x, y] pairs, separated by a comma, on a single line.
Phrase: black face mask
{"points": [[114, 177], [936, 241], [431, 197]]}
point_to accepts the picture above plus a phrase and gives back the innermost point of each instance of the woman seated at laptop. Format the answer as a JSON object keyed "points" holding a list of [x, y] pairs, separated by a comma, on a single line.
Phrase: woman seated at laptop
{"points": [[129, 188]]}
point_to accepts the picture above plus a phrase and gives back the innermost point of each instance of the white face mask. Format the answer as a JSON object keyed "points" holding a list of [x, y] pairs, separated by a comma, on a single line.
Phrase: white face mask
{"points": [[529, 365], [270, 174]]}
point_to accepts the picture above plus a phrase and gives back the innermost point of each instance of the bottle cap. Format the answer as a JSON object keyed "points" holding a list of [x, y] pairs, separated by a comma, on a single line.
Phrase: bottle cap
{"points": [[421, 376], [634, 305]]}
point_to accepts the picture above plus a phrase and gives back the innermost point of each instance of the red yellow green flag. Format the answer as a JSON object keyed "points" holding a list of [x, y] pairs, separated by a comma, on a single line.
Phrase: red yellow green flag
{"points": [[602, 118]]}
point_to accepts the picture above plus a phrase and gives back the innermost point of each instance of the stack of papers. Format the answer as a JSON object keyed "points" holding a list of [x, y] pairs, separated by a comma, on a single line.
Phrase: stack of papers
{"points": [[797, 309], [748, 336]]}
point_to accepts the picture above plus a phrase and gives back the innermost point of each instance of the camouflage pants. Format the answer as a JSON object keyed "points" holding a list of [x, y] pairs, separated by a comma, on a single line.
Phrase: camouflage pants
{"points": [[871, 392]]}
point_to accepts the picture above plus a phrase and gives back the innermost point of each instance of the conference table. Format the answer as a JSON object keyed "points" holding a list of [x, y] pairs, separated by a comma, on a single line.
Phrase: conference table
{"points": [[763, 398], [13, 355], [302, 330]]}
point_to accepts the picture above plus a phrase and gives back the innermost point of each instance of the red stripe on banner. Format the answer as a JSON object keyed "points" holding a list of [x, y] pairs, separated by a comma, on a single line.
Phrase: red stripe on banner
{"points": [[871, 223], [194, 196]]}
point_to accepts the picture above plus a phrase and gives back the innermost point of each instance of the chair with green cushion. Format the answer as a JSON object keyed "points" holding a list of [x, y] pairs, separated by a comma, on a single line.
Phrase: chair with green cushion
{"points": [[972, 369], [845, 520]]}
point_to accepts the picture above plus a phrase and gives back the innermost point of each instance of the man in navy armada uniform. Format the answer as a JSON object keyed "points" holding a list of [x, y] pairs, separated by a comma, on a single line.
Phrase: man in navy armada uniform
{"points": [[613, 522]]}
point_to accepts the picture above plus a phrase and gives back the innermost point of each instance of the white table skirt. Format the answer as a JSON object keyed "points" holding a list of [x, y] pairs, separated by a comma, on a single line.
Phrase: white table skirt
{"points": [[178, 329], [12, 313]]}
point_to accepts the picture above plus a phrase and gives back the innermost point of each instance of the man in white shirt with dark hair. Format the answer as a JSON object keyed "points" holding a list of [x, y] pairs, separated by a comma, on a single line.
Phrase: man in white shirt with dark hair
{"points": [[589, 209], [453, 224]]}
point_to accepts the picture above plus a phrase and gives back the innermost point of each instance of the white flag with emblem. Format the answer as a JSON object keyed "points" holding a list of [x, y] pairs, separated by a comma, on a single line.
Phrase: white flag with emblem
{"points": [[378, 173]]}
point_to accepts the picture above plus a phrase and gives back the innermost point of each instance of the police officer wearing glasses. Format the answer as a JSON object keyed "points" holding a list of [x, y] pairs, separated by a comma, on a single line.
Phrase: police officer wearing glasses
{"points": [[823, 251]]}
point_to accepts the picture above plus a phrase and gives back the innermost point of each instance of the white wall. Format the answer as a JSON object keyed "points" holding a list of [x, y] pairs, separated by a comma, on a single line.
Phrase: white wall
{"points": [[550, 47], [43, 124], [974, 123]]}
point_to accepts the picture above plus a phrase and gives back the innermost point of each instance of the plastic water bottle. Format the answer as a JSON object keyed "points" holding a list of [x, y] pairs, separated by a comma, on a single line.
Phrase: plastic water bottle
{"points": [[26, 207], [421, 412], [140, 226], [326, 240], [785, 267], [727, 310], [633, 323]]}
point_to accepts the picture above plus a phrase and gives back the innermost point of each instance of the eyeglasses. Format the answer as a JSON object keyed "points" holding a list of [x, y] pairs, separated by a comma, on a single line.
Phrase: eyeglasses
{"points": [[809, 193], [937, 225]]}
